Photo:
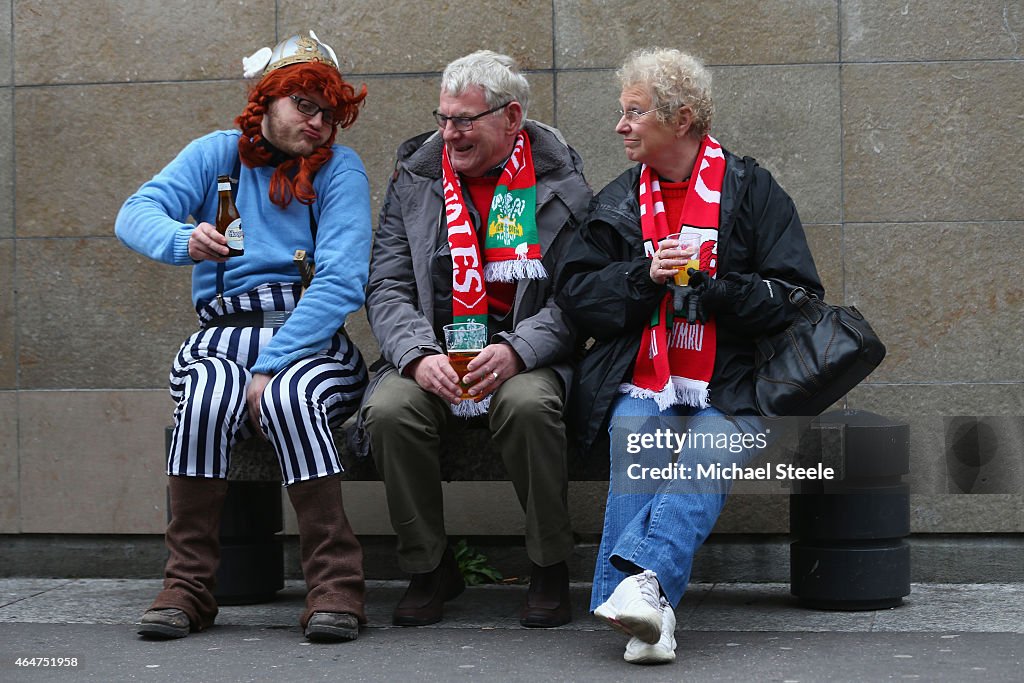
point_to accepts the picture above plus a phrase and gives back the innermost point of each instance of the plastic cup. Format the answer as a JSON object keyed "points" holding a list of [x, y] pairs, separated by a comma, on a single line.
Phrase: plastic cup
{"points": [[689, 240], [464, 341]]}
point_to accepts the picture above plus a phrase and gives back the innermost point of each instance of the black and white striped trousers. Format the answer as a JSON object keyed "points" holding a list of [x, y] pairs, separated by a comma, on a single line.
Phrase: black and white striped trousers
{"points": [[300, 404]]}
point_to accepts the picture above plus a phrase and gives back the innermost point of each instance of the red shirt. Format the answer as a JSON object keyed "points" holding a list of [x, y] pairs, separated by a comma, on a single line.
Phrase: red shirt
{"points": [[672, 196]]}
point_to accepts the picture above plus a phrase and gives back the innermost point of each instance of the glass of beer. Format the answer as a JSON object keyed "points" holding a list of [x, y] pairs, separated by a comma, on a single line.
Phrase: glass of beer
{"points": [[688, 240], [464, 342]]}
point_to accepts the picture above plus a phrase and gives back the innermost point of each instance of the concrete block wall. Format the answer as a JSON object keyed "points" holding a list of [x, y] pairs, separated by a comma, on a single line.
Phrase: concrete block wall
{"points": [[897, 127]]}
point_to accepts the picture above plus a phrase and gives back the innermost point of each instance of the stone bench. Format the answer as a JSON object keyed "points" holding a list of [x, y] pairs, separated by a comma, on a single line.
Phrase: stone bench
{"points": [[845, 538], [468, 454], [252, 552]]}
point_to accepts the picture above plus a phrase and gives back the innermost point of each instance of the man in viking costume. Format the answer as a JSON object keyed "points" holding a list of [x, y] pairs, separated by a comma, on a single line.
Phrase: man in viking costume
{"points": [[271, 357]]}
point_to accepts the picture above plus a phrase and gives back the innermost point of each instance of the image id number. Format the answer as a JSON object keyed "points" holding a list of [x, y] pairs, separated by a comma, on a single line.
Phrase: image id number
{"points": [[46, 661]]}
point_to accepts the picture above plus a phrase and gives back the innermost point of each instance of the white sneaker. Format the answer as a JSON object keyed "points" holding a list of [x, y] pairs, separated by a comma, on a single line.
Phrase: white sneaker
{"points": [[635, 607], [663, 651]]}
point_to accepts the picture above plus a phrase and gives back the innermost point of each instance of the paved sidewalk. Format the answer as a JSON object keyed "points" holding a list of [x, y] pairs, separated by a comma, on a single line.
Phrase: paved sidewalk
{"points": [[756, 632]]}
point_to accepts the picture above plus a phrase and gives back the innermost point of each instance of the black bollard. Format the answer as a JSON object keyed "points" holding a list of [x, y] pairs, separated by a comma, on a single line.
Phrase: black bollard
{"points": [[251, 568], [849, 552]]}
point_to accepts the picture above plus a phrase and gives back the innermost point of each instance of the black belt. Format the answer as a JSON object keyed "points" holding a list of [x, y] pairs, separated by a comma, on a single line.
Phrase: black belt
{"points": [[272, 319]]}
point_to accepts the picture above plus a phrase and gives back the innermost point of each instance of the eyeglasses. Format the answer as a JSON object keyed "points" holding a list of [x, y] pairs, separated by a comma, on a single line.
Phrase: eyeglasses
{"points": [[311, 109], [634, 115], [464, 123]]}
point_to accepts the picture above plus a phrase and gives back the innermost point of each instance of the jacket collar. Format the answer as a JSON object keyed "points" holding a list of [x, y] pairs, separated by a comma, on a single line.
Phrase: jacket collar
{"points": [[622, 205], [549, 149]]}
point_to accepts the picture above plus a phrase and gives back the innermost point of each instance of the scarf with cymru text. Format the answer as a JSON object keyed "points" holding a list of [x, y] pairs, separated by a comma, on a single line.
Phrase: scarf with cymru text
{"points": [[676, 358]]}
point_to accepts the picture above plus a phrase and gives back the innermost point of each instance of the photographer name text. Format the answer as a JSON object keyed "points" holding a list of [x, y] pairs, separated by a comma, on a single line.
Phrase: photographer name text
{"points": [[767, 472]]}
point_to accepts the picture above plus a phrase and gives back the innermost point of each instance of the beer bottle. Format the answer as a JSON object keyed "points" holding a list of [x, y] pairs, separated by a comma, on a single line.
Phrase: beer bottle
{"points": [[229, 223]]}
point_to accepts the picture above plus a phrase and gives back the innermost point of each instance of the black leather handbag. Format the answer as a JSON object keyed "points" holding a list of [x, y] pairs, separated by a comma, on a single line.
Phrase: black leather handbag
{"points": [[824, 353]]}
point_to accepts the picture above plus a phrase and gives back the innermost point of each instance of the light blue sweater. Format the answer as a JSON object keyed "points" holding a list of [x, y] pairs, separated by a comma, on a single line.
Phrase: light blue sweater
{"points": [[154, 222]]}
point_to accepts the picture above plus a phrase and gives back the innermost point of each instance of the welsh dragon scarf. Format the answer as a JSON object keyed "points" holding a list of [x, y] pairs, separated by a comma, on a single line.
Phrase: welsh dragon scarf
{"points": [[512, 249], [676, 358]]}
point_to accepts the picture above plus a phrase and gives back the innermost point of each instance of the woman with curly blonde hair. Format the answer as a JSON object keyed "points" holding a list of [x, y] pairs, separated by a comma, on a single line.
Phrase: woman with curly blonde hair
{"points": [[674, 274]]}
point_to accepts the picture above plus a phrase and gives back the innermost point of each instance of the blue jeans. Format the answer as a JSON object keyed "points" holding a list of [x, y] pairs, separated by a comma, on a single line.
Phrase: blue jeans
{"points": [[659, 524]]}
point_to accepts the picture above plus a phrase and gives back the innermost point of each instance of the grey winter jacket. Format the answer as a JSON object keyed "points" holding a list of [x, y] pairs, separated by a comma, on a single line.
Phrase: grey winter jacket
{"points": [[411, 235]]}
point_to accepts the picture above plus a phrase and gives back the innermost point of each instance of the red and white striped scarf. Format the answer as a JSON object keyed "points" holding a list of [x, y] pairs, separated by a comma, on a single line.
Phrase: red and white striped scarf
{"points": [[676, 368]]}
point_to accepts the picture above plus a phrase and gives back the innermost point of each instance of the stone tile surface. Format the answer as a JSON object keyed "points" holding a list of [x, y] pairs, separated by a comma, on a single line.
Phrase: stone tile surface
{"points": [[465, 504], [586, 506], [950, 495], [950, 513], [826, 243], [6, 161], [121, 601], [136, 40], [935, 400], [358, 328], [896, 30], [15, 590], [127, 314], [754, 514], [727, 608], [103, 451], [96, 173], [792, 136], [8, 317], [976, 608], [586, 103], [599, 34], [395, 110], [371, 37], [766, 607], [911, 132], [84, 601], [365, 506], [6, 49], [954, 558], [899, 277], [9, 481]]}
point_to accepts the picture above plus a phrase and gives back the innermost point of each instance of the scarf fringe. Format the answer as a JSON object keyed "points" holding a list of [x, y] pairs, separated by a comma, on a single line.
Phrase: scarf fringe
{"points": [[470, 408], [678, 391], [513, 271]]}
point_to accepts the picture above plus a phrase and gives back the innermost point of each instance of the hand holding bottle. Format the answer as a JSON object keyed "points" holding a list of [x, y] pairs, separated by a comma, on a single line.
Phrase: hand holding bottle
{"points": [[206, 244]]}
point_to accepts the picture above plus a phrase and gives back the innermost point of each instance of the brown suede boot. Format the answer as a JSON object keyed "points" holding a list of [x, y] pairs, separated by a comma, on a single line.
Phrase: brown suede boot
{"points": [[332, 562], [193, 543]]}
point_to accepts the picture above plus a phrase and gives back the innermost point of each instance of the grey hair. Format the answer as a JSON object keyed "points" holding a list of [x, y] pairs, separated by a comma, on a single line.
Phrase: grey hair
{"points": [[497, 74], [674, 79]]}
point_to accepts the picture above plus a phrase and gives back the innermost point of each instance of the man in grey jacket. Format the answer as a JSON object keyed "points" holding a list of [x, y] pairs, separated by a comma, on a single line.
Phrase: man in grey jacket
{"points": [[473, 228]]}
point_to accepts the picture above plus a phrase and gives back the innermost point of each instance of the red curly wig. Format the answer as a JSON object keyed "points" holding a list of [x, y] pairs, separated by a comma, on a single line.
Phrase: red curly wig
{"points": [[315, 77]]}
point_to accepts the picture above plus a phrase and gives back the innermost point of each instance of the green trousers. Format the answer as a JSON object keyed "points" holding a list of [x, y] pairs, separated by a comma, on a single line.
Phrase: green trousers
{"points": [[406, 426]]}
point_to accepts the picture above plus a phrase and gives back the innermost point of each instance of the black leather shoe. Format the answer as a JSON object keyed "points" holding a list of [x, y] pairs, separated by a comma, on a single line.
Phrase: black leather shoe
{"points": [[332, 627], [547, 601], [423, 602], [164, 624]]}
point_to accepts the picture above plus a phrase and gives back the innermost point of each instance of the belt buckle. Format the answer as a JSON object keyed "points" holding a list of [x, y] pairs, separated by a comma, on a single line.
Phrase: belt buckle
{"points": [[275, 318]]}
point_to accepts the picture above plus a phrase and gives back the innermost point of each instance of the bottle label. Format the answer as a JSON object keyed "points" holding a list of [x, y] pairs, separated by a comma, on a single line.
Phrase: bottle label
{"points": [[224, 187], [234, 235]]}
